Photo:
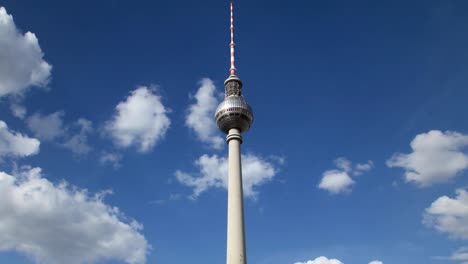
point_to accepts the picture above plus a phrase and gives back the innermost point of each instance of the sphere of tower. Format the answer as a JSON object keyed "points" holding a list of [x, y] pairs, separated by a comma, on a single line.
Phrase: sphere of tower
{"points": [[234, 112]]}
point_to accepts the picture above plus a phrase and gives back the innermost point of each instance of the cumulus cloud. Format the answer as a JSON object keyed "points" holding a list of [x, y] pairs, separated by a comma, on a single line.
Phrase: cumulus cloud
{"points": [[22, 64], [200, 116], [47, 127], [449, 215], [339, 180], [325, 260], [14, 144], [336, 181], [141, 120], [321, 260], [62, 224], [437, 157], [213, 173]]}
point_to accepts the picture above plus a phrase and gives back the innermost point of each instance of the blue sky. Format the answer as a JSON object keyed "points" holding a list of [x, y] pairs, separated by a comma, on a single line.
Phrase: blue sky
{"points": [[358, 151]]}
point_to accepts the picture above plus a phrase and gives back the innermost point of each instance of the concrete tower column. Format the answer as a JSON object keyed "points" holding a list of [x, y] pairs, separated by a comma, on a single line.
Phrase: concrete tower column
{"points": [[234, 116], [235, 222]]}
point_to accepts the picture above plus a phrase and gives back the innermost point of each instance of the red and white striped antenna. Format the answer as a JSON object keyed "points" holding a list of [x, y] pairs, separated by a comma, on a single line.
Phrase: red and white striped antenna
{"points": [[232, 70]]}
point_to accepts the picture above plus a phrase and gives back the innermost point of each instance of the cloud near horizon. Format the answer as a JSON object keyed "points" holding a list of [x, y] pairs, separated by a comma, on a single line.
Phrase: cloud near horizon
{"points": [[321, 260], [58, 224], [325, 260]]}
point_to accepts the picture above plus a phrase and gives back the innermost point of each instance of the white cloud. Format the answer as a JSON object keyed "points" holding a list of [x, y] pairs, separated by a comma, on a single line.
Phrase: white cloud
{"points": [[111, 158], [62, 224], [47, 127], [21, 64], [449, 215], [336, 181], [214, 174], [321, 260], [141, 120], [200, 116], [437, 157], [15, 144], [363, 167], [339, 180], [325, 260], [78, 143]]}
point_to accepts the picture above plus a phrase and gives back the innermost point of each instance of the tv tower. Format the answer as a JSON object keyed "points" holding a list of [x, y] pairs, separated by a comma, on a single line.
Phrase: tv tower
{"points": [[234, 116]]}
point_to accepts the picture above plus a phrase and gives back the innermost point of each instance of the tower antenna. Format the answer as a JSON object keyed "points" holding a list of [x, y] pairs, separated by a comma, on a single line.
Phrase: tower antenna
{"points": [[234, 116], [233, 69]]}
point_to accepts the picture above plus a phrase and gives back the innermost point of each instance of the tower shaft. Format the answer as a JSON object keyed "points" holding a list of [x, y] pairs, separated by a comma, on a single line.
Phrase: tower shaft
{"points": [[236, 253], [234, 116]]}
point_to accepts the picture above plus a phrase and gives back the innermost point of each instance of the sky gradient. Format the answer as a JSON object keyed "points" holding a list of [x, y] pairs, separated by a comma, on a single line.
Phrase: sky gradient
{"points": [[109, 152]]}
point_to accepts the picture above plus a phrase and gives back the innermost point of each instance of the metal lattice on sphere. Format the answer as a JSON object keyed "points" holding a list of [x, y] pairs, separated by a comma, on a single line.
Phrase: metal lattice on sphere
{"points": [[234, 112]]}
